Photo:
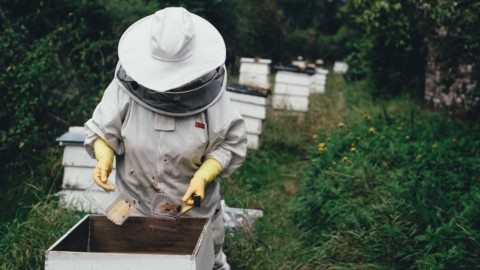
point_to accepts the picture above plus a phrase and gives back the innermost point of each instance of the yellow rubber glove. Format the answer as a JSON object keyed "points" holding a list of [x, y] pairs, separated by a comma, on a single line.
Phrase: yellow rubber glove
{"points": [[104, 155], [209, 170]]}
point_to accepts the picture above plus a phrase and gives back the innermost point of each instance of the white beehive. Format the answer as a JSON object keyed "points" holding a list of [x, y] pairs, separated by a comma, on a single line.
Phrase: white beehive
{"points": [[253, 108], [254, 71], [318, 81], [141, 243], [78, 169], [340, 67], [291, 91]]}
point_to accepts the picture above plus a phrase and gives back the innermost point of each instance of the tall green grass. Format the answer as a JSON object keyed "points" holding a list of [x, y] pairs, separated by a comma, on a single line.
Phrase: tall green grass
{"points": [[398, 189], [25, 239]]}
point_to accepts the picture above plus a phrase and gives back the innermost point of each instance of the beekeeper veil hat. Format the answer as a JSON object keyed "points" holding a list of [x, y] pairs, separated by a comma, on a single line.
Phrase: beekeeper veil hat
{"points": [[171, 62]]}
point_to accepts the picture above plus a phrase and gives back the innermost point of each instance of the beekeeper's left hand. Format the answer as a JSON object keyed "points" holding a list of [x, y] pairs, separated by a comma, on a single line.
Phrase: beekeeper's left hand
{"points": [[209, 170]]}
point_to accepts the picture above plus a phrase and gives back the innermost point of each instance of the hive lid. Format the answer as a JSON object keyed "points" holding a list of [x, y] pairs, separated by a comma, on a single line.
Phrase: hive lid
{"points": [[244, 89], [296, 69]]}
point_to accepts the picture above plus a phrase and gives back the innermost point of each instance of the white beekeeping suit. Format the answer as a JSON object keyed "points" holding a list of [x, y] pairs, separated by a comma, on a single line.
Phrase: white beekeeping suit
{"points": [[166, 111]]}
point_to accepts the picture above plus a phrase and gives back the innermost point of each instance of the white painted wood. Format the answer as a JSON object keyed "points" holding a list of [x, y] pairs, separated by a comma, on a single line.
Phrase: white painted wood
{"points": [[340, 67], [80, 177], [291, 89], [74, 136], [201, 259], [78, 156], [292, 78], [293, 103], [317, 88], [251, 110], [253, 125], [299, 63], [247, 78], [256, 68], [255, 60], [254, 71], [321, 71], [319, 77], [264, 101], [75, 199], [253, 141]]}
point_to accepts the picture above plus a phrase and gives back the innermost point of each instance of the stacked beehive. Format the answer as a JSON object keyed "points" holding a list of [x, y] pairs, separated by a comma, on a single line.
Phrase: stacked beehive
{"points": [[78, 168], [292, 89], [319, 80], [251, 96], [254, 71], [252, 105], [340, 67]]}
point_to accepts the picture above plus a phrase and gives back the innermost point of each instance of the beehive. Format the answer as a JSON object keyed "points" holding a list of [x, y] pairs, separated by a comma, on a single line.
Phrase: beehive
{"points": [[252, 106], [141, 243], [254, 71], [340, 67], [78, 169], [318, 81], [291, 91]]}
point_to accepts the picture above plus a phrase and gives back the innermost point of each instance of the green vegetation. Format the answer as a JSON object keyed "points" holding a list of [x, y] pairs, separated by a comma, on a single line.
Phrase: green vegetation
{"points": [[393, 187], [386, 186]]}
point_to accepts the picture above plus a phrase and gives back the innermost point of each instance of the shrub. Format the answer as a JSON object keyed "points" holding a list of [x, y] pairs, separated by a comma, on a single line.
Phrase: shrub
{"points": [[396, 191]]}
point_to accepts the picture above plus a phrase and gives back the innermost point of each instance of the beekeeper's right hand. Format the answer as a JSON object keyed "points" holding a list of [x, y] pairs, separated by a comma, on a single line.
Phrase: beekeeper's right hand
{"points": [[104, 155]]}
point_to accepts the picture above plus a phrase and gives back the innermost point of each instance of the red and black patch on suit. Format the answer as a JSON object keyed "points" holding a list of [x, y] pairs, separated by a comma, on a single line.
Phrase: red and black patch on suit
{"points": [[200, 125]]}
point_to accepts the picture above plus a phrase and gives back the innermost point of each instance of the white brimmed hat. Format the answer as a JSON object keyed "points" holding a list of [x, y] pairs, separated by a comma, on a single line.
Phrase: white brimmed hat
{"points": [[170, 48]]}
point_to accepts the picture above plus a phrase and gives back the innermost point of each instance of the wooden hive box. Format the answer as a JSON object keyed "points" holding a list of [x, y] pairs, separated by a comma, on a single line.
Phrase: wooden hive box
{"points": [[291, 91], [340, 67], [254, 70], [78, 169], [252, 106], [318, 81], [141, 243]]}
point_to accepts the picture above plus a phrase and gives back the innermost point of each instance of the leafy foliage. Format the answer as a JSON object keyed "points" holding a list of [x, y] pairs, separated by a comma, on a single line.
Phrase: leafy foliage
{"points": [[53, 56], [389, 41], [399, 191]]}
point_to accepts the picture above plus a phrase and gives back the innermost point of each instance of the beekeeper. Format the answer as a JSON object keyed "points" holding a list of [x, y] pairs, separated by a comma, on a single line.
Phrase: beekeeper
{"points": [[167, 118]]}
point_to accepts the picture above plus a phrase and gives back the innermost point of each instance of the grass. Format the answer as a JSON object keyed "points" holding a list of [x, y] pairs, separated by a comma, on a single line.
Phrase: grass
{"points": [[283, 179]]}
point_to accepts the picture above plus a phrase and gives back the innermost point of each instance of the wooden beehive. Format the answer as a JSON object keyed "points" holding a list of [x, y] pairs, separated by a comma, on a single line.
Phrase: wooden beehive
{"points": [[78, 169], [340, 67], [141, 243], [318, 81], [254, 70], [252, 106], [291, 92]]}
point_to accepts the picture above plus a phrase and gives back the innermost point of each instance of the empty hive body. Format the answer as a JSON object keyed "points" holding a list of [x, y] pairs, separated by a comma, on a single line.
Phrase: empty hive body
{"points": [[140, 243]]}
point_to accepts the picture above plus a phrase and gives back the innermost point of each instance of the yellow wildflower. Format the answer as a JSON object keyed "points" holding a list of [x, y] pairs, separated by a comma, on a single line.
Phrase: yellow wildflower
{"points": [[341, 124], [321, 148], [407, 137], [314, 137], [353, 149], [371, 130], [344, 159], [367, 117]]}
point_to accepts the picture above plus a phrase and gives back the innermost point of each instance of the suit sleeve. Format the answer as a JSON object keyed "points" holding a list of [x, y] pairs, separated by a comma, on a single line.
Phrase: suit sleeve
{"points": [[228, 136], [107, 119]]}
